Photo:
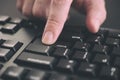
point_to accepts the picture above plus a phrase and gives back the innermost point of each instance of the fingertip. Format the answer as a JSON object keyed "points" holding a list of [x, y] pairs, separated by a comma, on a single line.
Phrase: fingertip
{"points": [[48, 38], [93, 25], [95, 19], [96, 14], [51, 32]]}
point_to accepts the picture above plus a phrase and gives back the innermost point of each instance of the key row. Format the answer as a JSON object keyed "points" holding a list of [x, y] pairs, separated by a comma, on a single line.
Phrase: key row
{"points": [[20, 73], [79, 50], [107, 37], [65, 65]]}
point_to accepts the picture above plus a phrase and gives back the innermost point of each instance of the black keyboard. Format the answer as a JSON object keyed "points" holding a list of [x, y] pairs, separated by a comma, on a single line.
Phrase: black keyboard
{"points": [[77, 54]]}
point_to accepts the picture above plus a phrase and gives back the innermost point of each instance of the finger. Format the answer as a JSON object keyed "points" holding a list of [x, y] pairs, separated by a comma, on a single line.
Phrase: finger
{"points": [[27, 7], [19, 4], [59, 10], [40, 8], [96, 14]]}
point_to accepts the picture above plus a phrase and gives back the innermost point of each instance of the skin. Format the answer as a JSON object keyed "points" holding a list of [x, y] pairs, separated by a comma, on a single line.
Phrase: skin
{"points": [[57, 11]]}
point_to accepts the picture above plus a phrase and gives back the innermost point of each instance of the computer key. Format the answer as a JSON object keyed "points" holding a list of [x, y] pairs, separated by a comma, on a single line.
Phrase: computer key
{"points": [[109, 73], [114, 34], [38, 47], [117, 62], [5, 54], [83, 78], [16, 21], [80, 78], [63, 44], [66, 65], [10, 28], [14, 73], [116, 51], [94, 39], [87, 69], [100, 49], [58, 77], [12, 44], [101, 59], [71, 36], [81, 46], [113, 42], [4, 19], [36, 60], [36, 75], [81, 56], [61, 52]]}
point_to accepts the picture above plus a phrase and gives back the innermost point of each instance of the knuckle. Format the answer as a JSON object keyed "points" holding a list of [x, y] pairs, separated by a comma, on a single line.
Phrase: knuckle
{"points": [[61, 2], [37, 12], [54, 22], [55, 25], [26, 12]]}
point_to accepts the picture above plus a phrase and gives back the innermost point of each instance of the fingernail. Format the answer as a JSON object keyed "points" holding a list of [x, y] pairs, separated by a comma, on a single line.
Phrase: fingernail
{"points": [[48, 38]]}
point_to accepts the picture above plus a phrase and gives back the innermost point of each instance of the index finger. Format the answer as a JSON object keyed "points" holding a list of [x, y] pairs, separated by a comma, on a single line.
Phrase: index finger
{"points": [[59, 10]]}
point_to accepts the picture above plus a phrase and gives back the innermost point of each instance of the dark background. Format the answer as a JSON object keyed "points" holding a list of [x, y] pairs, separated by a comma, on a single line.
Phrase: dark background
{"points": [[8, 7]]}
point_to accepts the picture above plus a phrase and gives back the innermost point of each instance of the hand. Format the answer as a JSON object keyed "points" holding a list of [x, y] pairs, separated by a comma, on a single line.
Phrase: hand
{"points": [[56, 13]]}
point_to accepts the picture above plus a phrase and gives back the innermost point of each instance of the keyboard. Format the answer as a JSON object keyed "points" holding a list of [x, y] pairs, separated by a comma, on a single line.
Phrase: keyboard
{"points": [[77, 54]]}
